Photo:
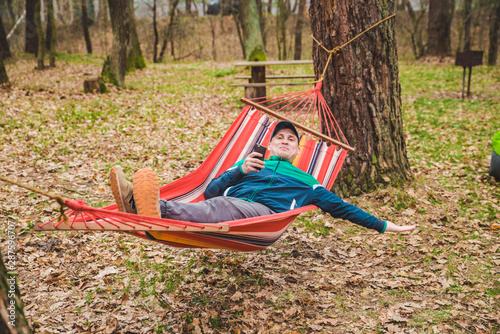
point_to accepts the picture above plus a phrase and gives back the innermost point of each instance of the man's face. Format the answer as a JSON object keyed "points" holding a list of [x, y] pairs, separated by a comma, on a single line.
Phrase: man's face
{"points": [[284, 145]]}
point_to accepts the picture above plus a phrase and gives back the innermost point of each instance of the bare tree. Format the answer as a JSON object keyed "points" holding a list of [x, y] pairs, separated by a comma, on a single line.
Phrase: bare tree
{"points": [[439, 27], [51, 33], [284, 12], [4, 44], [3, 73], [155, 30], [467, 23], [168, 37], [41, 41], [494, 28], [298, 30], [416, 33], [85, 26], [115, 66], [30, 33], [135, 59], [361, 87]]}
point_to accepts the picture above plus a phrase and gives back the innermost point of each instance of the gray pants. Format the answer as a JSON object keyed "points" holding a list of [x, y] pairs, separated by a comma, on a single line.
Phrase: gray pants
{"points": [[214, 210]]}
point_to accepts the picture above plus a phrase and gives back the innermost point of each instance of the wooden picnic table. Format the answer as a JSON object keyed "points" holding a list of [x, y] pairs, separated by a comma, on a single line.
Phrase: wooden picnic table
{"points": [[256, 86]]}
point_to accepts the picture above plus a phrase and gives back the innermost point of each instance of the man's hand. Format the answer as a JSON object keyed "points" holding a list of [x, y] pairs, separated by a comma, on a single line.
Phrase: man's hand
{"points": [[252, 163], [391, 227]]}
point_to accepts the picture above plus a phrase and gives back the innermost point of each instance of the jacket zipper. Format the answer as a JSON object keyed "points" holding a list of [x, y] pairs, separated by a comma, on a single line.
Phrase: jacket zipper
{"points": [[256, 191]]}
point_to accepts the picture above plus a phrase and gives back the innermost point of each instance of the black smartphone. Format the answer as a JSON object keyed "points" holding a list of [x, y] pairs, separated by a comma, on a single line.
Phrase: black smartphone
{"points": [[260, 149]]}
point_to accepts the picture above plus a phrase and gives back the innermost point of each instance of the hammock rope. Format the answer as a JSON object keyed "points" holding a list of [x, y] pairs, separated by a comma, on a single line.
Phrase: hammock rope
{"points": [[336, 49]]}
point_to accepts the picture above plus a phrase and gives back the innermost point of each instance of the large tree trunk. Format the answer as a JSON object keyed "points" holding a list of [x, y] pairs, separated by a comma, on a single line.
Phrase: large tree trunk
{"points": [[439, 27], [12, 319], [51, 33], [115, 65], [4, 44], [30, 33], [85, 25], [467, 23], [494, 28], [298, 30], [41, 41], [361, 86], [135, 59], [252, 36], [3, 73]]}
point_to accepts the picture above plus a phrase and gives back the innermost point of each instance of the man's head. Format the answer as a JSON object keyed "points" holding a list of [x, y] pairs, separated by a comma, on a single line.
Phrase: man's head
{"points": [[284, 141]]}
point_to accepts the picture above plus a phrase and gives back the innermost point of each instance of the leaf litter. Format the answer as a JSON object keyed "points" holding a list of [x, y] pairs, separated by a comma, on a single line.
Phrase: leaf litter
{"points": [[323, 275]]}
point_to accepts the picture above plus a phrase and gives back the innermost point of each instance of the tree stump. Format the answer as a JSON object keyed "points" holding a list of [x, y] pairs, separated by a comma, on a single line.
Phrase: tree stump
{"points": [[95, 85]]}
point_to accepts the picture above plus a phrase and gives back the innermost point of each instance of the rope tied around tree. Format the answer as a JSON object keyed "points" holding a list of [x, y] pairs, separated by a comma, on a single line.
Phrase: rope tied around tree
{"points": [[61, 201], [336, 49]]}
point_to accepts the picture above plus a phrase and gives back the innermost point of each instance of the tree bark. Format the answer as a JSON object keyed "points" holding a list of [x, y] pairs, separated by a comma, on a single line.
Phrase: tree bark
{"points": [[135, 59], [30, 33], [51, 33], [41, 42], [3, 73], [439, 27], [85, 26], [494, 28], [155, 30], [297, 55], [116, 64], [4, 44], [254, 45], [361, 87], [467, 24], [12, 319], [169, 31]]}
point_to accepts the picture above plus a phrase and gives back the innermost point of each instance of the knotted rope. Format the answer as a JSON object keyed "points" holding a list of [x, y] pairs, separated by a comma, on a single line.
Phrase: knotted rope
{"points": [[336, 49], [61, 201]]}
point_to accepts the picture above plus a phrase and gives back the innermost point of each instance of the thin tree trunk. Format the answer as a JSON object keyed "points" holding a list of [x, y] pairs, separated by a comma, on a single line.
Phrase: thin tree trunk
{"points": [[416, 34], [213, 24], [155, 30], [361, 87], [103, 12], [3, 73], [169, 31], [4, 44], [51, 33], [116, 64], [237, 21], [467, 24], [12, 318], [262, 21], [85, 26], [494, 28], [298, 30], [135, 59], [204, 2], [188, 7], [39, 29], [439, 27], [30, 33], [270, 6]]}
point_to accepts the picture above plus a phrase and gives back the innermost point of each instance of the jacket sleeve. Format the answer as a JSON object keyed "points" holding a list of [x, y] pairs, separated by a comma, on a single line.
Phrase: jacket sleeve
{"points": [[229, 178], [335, 206]]}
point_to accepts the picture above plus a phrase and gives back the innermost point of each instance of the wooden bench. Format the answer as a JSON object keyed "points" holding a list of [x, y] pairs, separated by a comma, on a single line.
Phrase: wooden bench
{"points": [[256, 86]]}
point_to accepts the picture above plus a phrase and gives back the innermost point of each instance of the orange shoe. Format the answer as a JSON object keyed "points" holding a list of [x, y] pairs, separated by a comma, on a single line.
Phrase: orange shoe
{"points": [[122, 190], [147, 193]]}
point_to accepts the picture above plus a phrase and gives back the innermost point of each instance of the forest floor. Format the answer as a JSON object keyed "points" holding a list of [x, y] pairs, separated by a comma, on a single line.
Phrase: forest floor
{"points": [[324, 275]]}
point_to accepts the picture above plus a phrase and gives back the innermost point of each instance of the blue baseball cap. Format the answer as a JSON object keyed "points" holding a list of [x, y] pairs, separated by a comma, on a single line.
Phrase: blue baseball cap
{"points": [[285, 125]]}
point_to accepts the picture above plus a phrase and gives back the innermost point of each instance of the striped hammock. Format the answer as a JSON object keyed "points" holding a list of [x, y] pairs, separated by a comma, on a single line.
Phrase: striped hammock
{"points": [[320, 158]]}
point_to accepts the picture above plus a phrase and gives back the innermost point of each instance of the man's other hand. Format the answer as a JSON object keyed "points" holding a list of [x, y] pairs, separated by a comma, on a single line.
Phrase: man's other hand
{"points": [[252, 163], [391, 227]]}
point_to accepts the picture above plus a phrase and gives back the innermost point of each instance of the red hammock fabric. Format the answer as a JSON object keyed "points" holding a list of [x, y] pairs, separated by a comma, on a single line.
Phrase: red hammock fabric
{"points": [[321, 160]]}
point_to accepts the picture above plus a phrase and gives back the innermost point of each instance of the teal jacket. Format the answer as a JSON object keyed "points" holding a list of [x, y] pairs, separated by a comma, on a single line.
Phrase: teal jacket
{"points": [[281, 187]]}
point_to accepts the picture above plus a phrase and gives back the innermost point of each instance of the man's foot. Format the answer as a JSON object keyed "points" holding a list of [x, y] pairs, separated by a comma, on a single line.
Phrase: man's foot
{"points": [[122, 190], [147, 193]]}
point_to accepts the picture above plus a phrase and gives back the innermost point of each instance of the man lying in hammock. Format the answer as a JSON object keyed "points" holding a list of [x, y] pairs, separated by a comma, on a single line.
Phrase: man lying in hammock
{"points": [[252, 187]]}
